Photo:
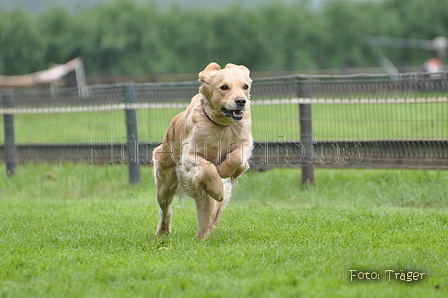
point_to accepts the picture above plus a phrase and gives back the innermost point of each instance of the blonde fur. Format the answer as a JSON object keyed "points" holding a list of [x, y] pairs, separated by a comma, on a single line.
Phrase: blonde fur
{"points": [[206, 147]]}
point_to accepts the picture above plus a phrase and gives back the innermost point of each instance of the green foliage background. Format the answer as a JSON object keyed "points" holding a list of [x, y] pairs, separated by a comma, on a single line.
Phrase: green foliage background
{"points": [[123, 37]]}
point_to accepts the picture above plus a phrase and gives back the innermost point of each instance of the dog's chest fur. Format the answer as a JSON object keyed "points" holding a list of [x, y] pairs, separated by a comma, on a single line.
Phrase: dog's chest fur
{"points": [[215, 142]]}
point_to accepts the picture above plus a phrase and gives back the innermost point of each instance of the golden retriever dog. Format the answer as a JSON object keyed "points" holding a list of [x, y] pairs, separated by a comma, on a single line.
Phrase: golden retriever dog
{"points": [[206, 147]]}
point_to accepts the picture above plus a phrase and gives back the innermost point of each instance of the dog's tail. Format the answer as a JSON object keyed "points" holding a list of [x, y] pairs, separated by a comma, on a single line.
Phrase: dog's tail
{"points": [[182, 187], [228, 184]]}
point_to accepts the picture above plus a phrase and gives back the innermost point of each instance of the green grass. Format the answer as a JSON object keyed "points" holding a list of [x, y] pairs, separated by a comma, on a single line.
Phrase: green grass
{"points": [[78, 230], [274, 123]]}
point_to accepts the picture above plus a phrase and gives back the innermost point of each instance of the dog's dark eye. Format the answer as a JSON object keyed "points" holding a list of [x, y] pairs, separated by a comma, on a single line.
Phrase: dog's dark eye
{"points": [[224, 87], [245, 87]]}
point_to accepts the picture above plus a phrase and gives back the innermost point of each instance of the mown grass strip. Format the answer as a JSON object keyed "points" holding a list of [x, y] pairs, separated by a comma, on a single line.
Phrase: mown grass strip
{"points": [[77, 230]]}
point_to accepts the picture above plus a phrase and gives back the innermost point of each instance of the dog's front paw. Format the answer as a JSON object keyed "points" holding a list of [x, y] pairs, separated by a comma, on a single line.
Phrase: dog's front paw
{"points": [[232, 170], [214, 190]]}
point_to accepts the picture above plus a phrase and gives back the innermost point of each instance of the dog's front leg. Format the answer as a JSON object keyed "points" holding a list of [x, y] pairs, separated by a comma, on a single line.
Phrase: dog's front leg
{"points": [[201, 177], [234, 164], [204, 184]]}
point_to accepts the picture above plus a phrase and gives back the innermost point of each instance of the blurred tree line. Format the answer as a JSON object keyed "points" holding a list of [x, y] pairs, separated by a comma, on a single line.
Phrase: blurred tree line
{"points": [[129, 38]]}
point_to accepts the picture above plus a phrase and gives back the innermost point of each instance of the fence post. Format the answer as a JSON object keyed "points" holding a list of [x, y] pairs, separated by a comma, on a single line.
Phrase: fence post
{"points": [[6, 99], [132, 135], [306, 132]]}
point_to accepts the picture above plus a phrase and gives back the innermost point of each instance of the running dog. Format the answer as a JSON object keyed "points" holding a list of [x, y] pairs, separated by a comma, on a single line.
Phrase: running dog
{"points": [[206, 147]]}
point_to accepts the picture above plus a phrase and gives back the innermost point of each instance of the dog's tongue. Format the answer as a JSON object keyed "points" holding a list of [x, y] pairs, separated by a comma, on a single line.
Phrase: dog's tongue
{"points": [[238, 112]]}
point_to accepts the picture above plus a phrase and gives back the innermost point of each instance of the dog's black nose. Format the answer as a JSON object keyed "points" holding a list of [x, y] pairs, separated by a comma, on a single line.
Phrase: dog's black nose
{"points": [[240, 101]]}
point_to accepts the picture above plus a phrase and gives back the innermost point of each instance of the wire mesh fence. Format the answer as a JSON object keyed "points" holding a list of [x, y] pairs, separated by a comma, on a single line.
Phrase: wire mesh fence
{"points": [[357, 121]]}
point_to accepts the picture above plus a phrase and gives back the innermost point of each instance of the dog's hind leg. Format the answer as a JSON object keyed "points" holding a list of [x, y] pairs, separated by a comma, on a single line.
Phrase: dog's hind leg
{"points": [[206, 212], [221, 205], [166, 183], [209, 211]]}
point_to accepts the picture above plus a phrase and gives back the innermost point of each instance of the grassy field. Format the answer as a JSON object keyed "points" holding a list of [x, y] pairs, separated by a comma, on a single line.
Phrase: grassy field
{"points": [[77, 230], [330, 122]]}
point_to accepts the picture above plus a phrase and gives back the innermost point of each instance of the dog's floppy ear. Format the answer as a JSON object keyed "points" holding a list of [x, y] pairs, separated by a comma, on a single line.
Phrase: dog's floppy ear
{"points": [[208, 71], [242, 67]]}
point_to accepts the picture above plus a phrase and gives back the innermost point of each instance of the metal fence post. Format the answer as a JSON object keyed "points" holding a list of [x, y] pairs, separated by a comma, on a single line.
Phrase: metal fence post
{"points": [[306, 132], [6, 98], [132, 135]]}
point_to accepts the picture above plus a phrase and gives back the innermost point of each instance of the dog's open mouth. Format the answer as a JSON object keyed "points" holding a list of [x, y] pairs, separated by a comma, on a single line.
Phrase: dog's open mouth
{"points": [[234, 114]]}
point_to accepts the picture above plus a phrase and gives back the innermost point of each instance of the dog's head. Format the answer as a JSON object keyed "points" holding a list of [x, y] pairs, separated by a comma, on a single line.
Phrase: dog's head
{"points": [[226, 91]]}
